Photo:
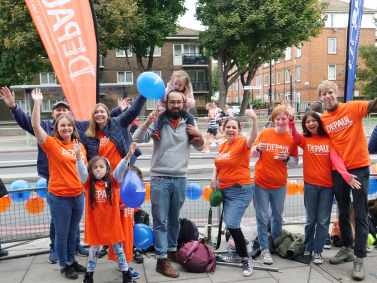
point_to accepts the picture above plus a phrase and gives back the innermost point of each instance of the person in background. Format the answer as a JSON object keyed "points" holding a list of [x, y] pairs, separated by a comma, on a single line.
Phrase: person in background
{"points": [[24, 121], [228, 111], [212, 129], [317, 106], [308, 107]]}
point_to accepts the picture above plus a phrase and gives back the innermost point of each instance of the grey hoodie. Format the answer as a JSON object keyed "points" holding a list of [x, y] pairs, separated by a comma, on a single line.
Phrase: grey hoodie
{"points": [[171, 154]]}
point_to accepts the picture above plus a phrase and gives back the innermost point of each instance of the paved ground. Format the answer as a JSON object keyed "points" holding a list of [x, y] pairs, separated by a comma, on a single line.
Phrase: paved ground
{"points": [[36, 269]]}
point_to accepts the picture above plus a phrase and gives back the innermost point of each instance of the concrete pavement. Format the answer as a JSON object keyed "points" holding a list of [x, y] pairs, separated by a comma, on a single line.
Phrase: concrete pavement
{"points": [[36, 269]]}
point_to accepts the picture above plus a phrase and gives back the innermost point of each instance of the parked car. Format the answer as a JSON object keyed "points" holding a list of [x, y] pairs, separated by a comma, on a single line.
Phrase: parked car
{"points": [[236, 109]]}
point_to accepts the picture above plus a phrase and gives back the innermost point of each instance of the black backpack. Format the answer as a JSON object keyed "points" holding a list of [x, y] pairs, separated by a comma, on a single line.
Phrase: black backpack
{"points": [[141, 216], [188, 232]]}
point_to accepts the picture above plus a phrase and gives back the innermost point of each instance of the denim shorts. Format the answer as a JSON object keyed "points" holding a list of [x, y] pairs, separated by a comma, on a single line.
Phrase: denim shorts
{"points": [[235, 203]]}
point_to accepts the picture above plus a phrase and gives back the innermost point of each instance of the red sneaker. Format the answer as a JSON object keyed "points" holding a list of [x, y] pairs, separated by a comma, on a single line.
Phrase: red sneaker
{"points": [[194, 140], [156, 135]]}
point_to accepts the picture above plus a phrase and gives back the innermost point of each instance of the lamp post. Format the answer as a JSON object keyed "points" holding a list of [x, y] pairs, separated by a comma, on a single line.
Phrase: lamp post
{"points": [[270, 90]]}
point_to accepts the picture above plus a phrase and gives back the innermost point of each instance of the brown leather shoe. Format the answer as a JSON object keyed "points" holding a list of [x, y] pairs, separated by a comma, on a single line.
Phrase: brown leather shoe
{"points": [[172, 256], [164, 267]]}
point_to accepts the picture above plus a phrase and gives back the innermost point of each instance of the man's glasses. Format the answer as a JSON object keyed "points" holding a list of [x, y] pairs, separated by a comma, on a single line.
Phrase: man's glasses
{"points": [[172, 102]]}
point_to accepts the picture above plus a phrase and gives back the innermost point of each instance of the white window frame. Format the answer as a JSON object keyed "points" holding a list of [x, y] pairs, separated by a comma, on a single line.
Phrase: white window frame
{"points": [[125, 76], [298, 74], [288, 54], [49, 103], [265, 64], [265, 80], [278, 78], [272, 62], [286, 96], [48, 79], [356, 93], [236, 85], [23, 105], [298, 97], [122, 53], [328, 49], [273, 79], [299, 51], [258, 81], [332, 20], [287, 76], [265, 97], [328, 70], [158, 53], [152, 104]]}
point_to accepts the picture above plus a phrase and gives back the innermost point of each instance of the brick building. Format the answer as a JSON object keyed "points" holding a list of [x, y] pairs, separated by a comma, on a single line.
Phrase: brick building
{"points": [[179, 52], [321, 58]]}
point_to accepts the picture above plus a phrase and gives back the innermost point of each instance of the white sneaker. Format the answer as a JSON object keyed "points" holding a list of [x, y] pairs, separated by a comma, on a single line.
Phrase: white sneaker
{"points": [[266, 257], [247, 266], [213, 144], [318, 258], [307, 253], [234, 258]]}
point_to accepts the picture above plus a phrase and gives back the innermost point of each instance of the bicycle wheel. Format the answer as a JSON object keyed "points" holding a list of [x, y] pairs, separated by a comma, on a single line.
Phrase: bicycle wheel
{"points": [[242, 123]]}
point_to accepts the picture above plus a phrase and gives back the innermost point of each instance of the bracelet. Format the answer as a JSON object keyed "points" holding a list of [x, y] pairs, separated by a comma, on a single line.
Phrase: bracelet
{"points": [[258, 149], [286, 161]]}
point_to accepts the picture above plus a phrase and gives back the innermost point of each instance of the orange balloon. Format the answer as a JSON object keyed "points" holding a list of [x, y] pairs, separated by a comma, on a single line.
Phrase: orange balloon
{"points": [[206, 192], [374, 168], [292, 187], [35, 205], [147, 186], [5, 203], [301, 187]]}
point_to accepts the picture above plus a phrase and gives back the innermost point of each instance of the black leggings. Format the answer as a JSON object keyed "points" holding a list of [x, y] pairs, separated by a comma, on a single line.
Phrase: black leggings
{"points": [[239, 241]]}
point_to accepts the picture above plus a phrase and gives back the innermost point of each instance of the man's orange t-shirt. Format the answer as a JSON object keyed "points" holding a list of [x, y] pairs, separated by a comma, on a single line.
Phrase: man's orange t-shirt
{"points": [[345, 129], [109, 149], [102, 222], [175, 123], [126, 217], [317, 162], [64, 178], [232, 162], [271, 173]]}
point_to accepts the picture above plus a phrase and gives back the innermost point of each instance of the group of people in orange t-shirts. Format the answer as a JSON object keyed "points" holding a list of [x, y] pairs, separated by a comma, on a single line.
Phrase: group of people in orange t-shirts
{"points": [[335, 161]]}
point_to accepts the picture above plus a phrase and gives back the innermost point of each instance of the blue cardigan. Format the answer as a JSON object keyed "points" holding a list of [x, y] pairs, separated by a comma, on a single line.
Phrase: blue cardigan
{"points": [[372, 145], [117, 131], [24, 121]]}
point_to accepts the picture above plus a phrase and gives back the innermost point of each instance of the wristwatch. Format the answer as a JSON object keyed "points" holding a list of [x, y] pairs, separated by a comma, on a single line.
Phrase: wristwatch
{"points": [[286, 161]]}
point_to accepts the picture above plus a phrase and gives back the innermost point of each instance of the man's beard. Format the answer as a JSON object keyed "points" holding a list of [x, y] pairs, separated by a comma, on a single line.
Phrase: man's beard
{"points": [[172, 115]]}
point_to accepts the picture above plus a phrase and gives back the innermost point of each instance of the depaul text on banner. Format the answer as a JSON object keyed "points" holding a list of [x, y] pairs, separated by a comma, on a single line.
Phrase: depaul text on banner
{"points": [[354, 26], [67, 31]]}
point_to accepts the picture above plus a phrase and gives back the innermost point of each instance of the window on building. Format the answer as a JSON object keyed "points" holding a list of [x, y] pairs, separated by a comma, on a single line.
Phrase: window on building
{"points": [[125, 77], [177, 50], [288, 54], [237, 85], [299, 51], [331, 20], [265, 97], [278, 97], [272, 62], [356, 93], [298, 74], [278, 78], [152, 104], [157, 73], [157, 51], [22, 104], [287, 96], [258, 81], [47, 105], [265, 80], [332, 45], [122, 53], [273, 78], [332, 72], [48, 78], [287, 76], [265, 64], [100, 77], [298, 97]]}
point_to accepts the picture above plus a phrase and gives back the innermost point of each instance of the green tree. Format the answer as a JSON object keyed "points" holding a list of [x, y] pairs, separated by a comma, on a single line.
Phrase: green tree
{"points": [[22, 51], [368, 77], [241, 34], [215, 80]]}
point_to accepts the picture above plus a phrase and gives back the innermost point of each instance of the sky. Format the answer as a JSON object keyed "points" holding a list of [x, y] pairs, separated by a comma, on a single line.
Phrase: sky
{"points": [[189, 21]]}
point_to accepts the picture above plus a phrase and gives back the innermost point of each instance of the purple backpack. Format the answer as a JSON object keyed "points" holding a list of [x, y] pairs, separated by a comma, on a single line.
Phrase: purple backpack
{"points": [[197, 257]]}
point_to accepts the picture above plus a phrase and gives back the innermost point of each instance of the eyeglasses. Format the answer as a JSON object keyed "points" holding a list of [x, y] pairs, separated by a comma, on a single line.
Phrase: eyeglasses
{"points": [[179, 102]]}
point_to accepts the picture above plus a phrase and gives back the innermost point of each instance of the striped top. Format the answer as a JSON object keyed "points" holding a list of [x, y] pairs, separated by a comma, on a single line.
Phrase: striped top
{"points": [[212, 123]]}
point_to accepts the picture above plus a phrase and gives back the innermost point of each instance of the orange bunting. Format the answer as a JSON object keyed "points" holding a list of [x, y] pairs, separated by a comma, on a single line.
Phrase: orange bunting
{"points": [[147, 186], [5, 203], [292, 187], [35, 205], [206, 192]]}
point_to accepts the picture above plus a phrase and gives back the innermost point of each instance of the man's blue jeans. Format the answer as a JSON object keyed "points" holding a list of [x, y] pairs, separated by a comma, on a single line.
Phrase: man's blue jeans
{"points": [[167, 197], [263, 198], [67, 213], [318, 203]]}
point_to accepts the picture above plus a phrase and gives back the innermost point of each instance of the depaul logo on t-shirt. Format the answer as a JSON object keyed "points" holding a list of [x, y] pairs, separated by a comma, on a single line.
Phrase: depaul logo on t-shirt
{"points": [[339, 125], [104, 141], [272, 147], [129, 212], [101, 196], [319, 149], [71, 153], [223, 155]]}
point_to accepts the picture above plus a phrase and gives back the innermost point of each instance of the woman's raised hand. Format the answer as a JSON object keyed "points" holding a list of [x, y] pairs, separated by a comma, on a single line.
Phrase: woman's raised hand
{"points": [[290, 110], [250, 113], [124, 103], [36, 94], [131, 150], [76, 146]]}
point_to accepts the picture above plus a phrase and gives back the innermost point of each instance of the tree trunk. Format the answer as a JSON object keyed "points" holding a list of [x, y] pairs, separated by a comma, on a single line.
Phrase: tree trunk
{"points": [[223, 90], [246, 93]]}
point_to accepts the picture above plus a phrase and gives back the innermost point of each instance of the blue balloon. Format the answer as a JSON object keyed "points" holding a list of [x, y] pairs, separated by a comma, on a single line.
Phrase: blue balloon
{"points": [[42, 182], [143, 236], [18, 185], [194, 191], [372, 185], [150, 85], [132, 190]]}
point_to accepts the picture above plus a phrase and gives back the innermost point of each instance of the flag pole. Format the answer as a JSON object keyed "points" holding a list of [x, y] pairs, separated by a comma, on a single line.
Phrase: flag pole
{"points": [[98, 53]]}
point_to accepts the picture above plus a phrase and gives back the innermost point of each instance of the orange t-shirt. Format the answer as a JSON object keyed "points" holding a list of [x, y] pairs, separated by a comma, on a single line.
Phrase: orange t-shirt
{"points": [[175, 123], [109, 149], [317, 162], [126, 217], [102, 222], [232, 162], [345, 129], [271, 173], [64, 178]]}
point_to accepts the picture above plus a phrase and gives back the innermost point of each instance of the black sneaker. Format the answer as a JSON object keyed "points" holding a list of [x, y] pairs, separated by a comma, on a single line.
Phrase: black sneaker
{"points": [[3, 253], [127, 277], [81, 251], [88, 278], [103, 252], [138, 258], [78, 267], [68, 272]]}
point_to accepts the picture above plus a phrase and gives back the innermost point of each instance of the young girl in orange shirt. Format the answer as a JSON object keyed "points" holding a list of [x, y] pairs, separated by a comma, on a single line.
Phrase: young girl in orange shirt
{"points": [[102, 214]]}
